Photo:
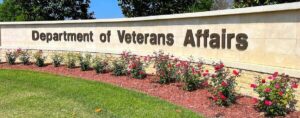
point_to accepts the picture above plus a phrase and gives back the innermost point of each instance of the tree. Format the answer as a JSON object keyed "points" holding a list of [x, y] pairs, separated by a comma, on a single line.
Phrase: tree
{"points": [[135, 8], [249, 3], [35, 10], [220, 4], [9, 11]]}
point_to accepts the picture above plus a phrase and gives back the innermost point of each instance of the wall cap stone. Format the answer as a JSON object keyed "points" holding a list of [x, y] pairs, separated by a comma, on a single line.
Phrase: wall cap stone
{"points": [[248, 10]]}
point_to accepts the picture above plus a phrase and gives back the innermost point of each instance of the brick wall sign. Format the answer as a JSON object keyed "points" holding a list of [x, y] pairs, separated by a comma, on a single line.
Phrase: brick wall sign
{"points": [[263, 39]]}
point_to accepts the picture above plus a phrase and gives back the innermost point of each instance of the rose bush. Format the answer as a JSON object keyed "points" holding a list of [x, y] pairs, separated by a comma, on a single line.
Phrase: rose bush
{"points": [[100, 65], [223, 83], [57, 59], [39, 58], [165, 66], [24, 57], [120, 64], [85, 61], [11, 56], [191, 74], [136, 67], [276, 94], [71, 59]]}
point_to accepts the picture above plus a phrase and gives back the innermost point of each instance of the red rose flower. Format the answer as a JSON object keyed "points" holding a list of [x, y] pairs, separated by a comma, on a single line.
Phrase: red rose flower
{"points": [[178, 64], [223, 97], [235, 72], [169, 65], [270, 77], [220, 93], [294, 85], [253, 86], [224, 84], [215, 98], [141, 72], [255, 100], [280, 93], [205, 74], [217, 68], [213, 75], [193, 70], [268, 102], [275, 74], [133, 65], [277, 86], [267, 90], [221, 65], [263, 81]]}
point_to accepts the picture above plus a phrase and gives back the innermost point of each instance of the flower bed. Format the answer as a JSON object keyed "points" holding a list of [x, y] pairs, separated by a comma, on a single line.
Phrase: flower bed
{"points": [[186, 83]]}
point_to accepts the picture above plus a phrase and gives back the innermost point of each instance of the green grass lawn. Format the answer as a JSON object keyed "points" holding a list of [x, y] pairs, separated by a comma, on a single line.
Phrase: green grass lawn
{"points": [[33, 94]]}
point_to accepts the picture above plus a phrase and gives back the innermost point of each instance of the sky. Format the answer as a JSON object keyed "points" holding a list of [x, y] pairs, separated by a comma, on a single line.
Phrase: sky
{"points": [[106, 9]]}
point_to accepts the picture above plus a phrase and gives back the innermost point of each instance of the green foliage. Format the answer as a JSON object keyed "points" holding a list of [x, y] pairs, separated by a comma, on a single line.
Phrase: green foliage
{"points": [[136, 67], [165, 66], [191, 75], [85, 61], [223, 85], [276, 94], [39, 58], [24, 57], [57, 59], [200, 5], [120, 65], [35, 10], [11, 56], [70, 60], [136, 8], [11, 11], [250, 3], [100, 65]]}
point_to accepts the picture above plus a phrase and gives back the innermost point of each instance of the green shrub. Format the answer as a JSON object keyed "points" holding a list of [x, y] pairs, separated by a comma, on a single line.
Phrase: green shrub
{"points": [[136, 67], [24, 57], [39, 58], [85, 61], [276, 94], [100, 65], [192, 75], [119, 67], [166, 69], [70, 60], [57, 59], [223, 85], [11, 56]]}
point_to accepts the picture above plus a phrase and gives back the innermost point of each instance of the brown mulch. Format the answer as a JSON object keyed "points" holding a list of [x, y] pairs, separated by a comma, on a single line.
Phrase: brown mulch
{"points": [[197, 101]]}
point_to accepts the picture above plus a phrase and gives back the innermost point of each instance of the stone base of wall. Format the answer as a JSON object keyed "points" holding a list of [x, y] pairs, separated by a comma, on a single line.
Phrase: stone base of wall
{"points": [[244, 81]]}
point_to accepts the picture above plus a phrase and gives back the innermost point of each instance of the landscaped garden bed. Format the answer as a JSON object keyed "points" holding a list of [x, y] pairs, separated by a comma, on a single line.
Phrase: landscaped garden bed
{"points": [[197, 100], [185, 83]]}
